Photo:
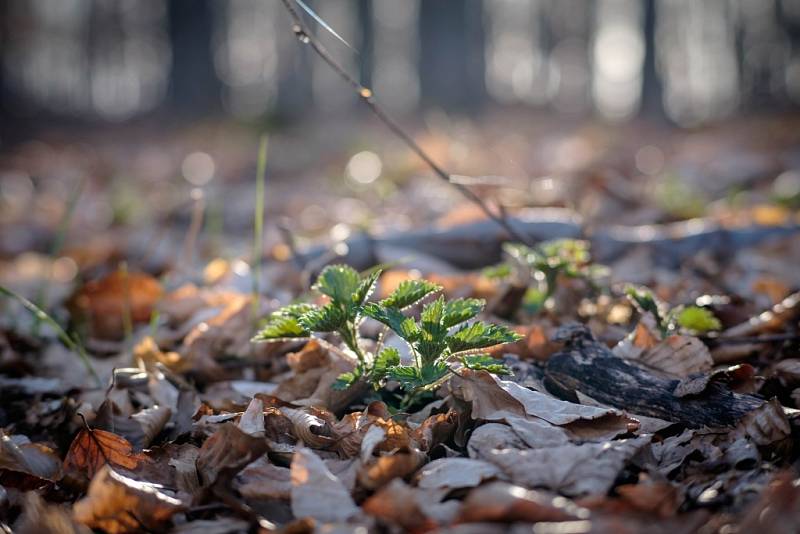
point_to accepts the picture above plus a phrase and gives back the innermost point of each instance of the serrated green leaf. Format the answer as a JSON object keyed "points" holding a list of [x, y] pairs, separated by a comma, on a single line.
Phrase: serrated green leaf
{"points": [[294, 310], [366, 288], [281, 327], [386, 359], [460, 310], [339, 282], [698, 319], [344, 381], [485, 362], [393, 318], [409, 292], [407, 375], [431, 372], [480, 335], [431, 320], [329, 318]]}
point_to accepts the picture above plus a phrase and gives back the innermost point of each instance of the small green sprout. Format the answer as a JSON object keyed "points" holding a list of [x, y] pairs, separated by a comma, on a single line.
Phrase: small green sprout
{"points": [[570, 258], [693, 319]]}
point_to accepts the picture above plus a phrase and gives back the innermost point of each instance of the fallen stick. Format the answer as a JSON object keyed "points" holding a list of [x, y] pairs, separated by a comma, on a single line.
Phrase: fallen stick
{"points": [[588, 366], [478, 244]]}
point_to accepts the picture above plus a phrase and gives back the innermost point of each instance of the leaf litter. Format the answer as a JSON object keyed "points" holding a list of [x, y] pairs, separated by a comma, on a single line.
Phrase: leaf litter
{"points": [[456, 393]]}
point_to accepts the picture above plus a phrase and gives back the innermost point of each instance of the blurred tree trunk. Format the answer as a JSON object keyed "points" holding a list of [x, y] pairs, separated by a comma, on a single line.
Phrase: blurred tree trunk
{"points": [[193, 86], [451, 62], [652, 90]]}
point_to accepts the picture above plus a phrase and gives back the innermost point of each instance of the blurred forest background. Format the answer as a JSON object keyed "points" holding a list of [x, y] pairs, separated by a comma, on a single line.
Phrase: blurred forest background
{"points": [[685, 61]]}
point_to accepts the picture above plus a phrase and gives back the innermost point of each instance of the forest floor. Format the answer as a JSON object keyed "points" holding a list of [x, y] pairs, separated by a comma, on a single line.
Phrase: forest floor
{"points": [[137, 400]]}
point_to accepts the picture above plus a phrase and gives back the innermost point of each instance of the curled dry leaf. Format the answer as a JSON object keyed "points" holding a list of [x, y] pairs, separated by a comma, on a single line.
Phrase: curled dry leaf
{"points": [[118, 504], [226, 453], [92, 449], [308, 428], [104, 303], [184, 462], [316, 492], [27, 465], [500, 501]]}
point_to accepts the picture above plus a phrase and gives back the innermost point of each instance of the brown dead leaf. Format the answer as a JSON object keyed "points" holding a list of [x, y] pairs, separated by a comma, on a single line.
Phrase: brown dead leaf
{"points": [[435, 429], [777, 510], [453, 473], [264, 480], [311, 356], [399, 504], [765, 425], [92, 449], [660, 499], [147, 352], [495, 399], [316, 492], [27, 465], [572, 470], [226, 453], [118, 504], [380, 471], [140, 429], [104, 303], [38, 517], [500, 501], [679, 356]]}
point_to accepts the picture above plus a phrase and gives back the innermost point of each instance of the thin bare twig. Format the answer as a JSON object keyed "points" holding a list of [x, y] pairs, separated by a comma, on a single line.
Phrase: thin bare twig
{"points": [[366, 96]]}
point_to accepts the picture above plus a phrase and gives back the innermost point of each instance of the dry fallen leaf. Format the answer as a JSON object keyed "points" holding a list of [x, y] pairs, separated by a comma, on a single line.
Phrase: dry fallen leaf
{"points": [[571, 469], [40, 517], [140, 428], [264, 480], [27, 465], [453, 473], [500, 501], [118, 504], [92, 449], [104, 303], [399, 504], [227, 452], [316, 492]]}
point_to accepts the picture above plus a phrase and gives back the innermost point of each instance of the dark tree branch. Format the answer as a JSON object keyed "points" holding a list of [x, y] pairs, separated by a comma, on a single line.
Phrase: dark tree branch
{"points": [[366, 96]]}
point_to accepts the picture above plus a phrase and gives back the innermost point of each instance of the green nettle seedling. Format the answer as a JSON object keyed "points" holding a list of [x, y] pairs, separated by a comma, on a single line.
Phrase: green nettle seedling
{"points": [[549, 261], [693, 319], [441, 335]]}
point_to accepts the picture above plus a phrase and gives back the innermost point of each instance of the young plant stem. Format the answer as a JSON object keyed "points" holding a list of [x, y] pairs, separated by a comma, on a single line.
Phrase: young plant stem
{"points": [[366, 96], [258, 226], [58, 244], [65, 338]]}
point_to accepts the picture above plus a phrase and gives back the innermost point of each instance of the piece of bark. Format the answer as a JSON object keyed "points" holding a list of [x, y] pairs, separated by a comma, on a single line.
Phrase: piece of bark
{"points": [[591, 368]]}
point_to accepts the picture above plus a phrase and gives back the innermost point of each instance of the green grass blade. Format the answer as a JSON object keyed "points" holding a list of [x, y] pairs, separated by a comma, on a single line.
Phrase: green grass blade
{"points": [[40, 315], [258, 225]]}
